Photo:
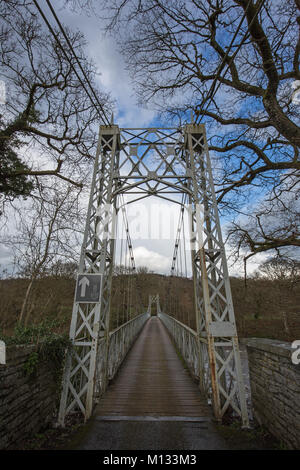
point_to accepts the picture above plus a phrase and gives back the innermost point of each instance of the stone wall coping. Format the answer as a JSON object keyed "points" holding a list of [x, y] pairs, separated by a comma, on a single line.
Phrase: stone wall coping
{"points": [[274, 346], [19, 347], [15, 351]]}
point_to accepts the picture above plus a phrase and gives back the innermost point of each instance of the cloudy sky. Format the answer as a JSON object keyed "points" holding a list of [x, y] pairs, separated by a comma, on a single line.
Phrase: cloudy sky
{"points": [[154, 252], [149, 249], [112, 75]]}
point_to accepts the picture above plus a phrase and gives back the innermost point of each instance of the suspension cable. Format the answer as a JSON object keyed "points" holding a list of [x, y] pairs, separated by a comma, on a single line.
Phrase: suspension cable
{"points": [[103, 115], [131, 260], [76, 57], [178, 234]]}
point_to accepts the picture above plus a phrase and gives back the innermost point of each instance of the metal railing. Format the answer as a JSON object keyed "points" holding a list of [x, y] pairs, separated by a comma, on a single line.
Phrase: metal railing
{"points": [[120, 341], [186, 341]]}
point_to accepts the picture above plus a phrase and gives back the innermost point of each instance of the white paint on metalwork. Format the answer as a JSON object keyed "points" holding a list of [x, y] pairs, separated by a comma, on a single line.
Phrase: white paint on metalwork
{"points": [[222, 328], [181, 166], [83, 283], [2, 353]]}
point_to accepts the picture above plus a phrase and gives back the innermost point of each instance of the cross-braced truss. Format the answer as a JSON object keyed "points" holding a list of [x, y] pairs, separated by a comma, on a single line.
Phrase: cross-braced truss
{"points": [[165, 163], [154, 299]]}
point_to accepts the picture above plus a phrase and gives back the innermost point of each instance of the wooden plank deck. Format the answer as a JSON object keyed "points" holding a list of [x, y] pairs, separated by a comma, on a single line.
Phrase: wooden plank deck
{"points": [[152, 382]]}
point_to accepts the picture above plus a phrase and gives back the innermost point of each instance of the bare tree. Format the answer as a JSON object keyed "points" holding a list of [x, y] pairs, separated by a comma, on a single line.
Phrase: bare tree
{"points": [[281, 269], [63, 269], [46, 234], [48, 125], [273, 225]]}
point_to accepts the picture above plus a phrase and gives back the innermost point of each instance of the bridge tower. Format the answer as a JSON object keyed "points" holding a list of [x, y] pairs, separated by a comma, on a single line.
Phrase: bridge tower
{"points": [[162, 162], [154, 299], [216, 327]]}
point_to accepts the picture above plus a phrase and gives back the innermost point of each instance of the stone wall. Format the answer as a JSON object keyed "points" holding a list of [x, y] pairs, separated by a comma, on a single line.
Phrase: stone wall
{"points": [[27, 401], [275, 389]]}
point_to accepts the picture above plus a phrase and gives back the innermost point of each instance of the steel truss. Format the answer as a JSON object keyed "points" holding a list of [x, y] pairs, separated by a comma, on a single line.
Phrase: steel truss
{"points": [[154, 299], [166, 163]]}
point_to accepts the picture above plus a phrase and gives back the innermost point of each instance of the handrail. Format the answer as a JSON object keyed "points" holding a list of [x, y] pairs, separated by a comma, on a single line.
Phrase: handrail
{"points": [[112, 332], [186, 341], [183, 325], [120, 341]]}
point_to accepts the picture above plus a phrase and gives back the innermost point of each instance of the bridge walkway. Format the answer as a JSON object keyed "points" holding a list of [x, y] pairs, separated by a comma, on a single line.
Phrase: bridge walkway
{"points": [[152, 403]]}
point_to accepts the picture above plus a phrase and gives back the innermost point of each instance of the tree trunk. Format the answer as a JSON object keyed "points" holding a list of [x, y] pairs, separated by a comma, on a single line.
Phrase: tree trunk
{"points": [[24, 305]]}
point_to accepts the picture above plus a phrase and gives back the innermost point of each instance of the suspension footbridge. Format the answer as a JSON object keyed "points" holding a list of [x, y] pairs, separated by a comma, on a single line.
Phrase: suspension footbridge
{"points": [[172, 164], [152, 403]]}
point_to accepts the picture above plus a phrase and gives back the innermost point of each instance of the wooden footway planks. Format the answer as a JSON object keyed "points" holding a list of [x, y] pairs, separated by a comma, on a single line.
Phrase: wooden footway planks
{"points": [[153, 381]]}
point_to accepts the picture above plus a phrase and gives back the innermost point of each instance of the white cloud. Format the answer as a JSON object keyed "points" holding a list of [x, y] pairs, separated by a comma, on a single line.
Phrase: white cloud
{"points": [[153, 260], [153, 219], [237, 269], [113, 77], [5, 254], [6, 259], [115, 80]]}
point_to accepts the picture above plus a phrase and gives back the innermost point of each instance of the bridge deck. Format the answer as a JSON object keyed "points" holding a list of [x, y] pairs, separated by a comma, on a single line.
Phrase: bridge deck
{"points": [[153, 381], [152, 403]]}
